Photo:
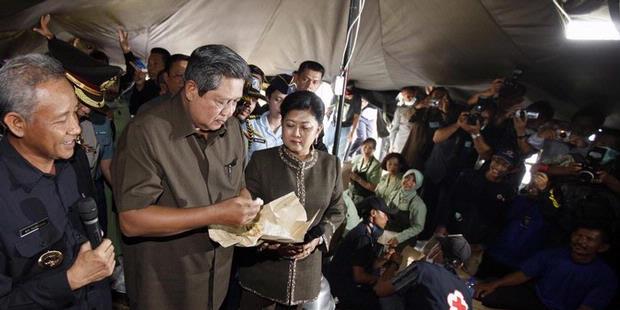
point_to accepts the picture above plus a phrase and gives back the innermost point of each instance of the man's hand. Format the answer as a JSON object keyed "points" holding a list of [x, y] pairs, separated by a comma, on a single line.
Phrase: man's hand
{"points": [[541, 181], [494, 88], [462, 120], [393, 242], [471, 129], [396, 257], [91, 265], [520, 124], [352, 136], [123, 40], [238, 211], [573, 168], [483, 289], [44, 27]]}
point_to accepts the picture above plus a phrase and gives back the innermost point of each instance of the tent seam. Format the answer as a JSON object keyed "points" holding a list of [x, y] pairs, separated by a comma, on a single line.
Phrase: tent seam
{"points": [[266, 29], [517, 46], [383, 52]]}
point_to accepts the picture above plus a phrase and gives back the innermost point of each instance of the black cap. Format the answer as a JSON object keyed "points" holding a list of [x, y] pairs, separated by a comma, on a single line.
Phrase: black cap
{"points": [[89, 76], [252, 89], [455, 247], [281, 83], [376, 203], [508, 155]]}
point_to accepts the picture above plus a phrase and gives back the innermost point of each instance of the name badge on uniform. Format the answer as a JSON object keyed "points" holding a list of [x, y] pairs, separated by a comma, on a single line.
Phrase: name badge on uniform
{"points": [[259, 140], [433, 125], [50, 259], [33, 227], [467, 144]]}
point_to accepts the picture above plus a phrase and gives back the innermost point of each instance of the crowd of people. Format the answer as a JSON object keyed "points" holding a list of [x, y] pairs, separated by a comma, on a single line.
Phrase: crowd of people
{"points": [[207, 144]]}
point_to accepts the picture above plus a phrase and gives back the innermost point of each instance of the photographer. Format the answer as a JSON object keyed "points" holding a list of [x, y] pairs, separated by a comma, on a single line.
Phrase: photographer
{"points": [[506, 95], [430, 114], [529, 126], [571, 139], [454, 151]]}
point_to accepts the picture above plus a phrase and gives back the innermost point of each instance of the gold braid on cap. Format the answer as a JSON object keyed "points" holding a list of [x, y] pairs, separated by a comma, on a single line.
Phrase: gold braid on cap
{"points": [[87, 100], [81, 85], [107, 84]]}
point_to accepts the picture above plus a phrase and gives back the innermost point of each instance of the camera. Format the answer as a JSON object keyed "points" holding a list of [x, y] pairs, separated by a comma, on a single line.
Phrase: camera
{"points": [[475, 114], [591, 164], [434, 103], [525, 114], [563, 135], [510, 86]]}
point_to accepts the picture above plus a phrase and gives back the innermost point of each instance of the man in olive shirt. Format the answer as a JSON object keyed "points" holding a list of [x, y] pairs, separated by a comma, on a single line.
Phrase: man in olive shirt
{"points": [[179, 168]]}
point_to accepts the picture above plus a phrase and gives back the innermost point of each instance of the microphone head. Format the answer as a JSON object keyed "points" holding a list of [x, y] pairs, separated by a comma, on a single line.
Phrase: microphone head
{"points": [[87, 207]]}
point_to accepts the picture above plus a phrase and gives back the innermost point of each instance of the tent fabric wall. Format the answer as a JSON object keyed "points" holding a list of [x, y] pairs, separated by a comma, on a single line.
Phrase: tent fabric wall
{"points": [[461, 44]]}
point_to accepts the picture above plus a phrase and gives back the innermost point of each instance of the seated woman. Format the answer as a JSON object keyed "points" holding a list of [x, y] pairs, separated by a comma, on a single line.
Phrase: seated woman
{"points": [[289, 275], [365, 173], [389, 184], [409, 221]]}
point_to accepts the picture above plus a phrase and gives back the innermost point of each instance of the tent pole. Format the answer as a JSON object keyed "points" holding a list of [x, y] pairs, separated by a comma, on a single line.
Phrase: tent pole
{"points": [[354, 11]]}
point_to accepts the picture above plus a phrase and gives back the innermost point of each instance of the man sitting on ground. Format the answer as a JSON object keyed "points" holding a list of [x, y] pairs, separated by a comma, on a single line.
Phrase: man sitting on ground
{"points": [[564, 278]]}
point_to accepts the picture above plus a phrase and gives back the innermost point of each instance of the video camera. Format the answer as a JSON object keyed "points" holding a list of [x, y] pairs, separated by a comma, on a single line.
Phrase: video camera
{"points": [[591, 164]]}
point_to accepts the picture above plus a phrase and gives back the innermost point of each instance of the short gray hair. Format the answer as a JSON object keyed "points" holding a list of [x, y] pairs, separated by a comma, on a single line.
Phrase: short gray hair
{"points": [[209, 63], [19, 78]]}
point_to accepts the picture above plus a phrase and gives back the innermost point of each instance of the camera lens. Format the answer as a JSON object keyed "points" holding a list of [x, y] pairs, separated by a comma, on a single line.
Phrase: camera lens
{"points": [[585, 176]]}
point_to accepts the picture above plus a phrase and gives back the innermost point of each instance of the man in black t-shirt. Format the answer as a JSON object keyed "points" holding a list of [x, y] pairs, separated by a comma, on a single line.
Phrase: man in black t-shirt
{"points": [[358, 259], [429, 285], [479, 199]]}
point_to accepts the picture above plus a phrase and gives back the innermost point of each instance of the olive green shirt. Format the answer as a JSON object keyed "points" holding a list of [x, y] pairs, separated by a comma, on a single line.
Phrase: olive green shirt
{"points": [[160, 160]]}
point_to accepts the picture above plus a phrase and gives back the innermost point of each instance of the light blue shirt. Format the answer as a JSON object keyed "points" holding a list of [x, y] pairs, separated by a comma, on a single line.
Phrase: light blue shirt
{"points": [[259, 136]]}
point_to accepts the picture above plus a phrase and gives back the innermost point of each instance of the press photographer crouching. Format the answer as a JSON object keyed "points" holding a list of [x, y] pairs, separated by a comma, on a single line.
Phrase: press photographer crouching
{"points": [[357, 264]]}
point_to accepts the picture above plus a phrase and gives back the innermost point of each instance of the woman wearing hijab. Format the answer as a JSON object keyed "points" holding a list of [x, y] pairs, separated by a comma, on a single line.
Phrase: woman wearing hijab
{"points": [[409, 221], [287, 276], [389, 184]]}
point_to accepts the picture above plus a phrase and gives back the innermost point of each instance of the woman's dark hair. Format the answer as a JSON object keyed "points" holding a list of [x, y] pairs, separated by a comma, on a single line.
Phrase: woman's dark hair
{"points": [[371, 141], [303, 100], [401, 161]]}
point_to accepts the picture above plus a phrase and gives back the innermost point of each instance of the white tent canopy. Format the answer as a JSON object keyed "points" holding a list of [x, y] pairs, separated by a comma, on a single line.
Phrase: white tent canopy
{"points": [[461, 44]]}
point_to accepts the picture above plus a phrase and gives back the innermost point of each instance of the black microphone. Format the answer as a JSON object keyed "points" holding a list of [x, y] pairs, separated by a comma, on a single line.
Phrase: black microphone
{"points": [[87, 207]]}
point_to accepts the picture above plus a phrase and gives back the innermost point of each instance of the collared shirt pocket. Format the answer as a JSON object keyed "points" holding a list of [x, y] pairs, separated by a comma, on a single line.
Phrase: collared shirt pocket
{"points": [[46, 245]]}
